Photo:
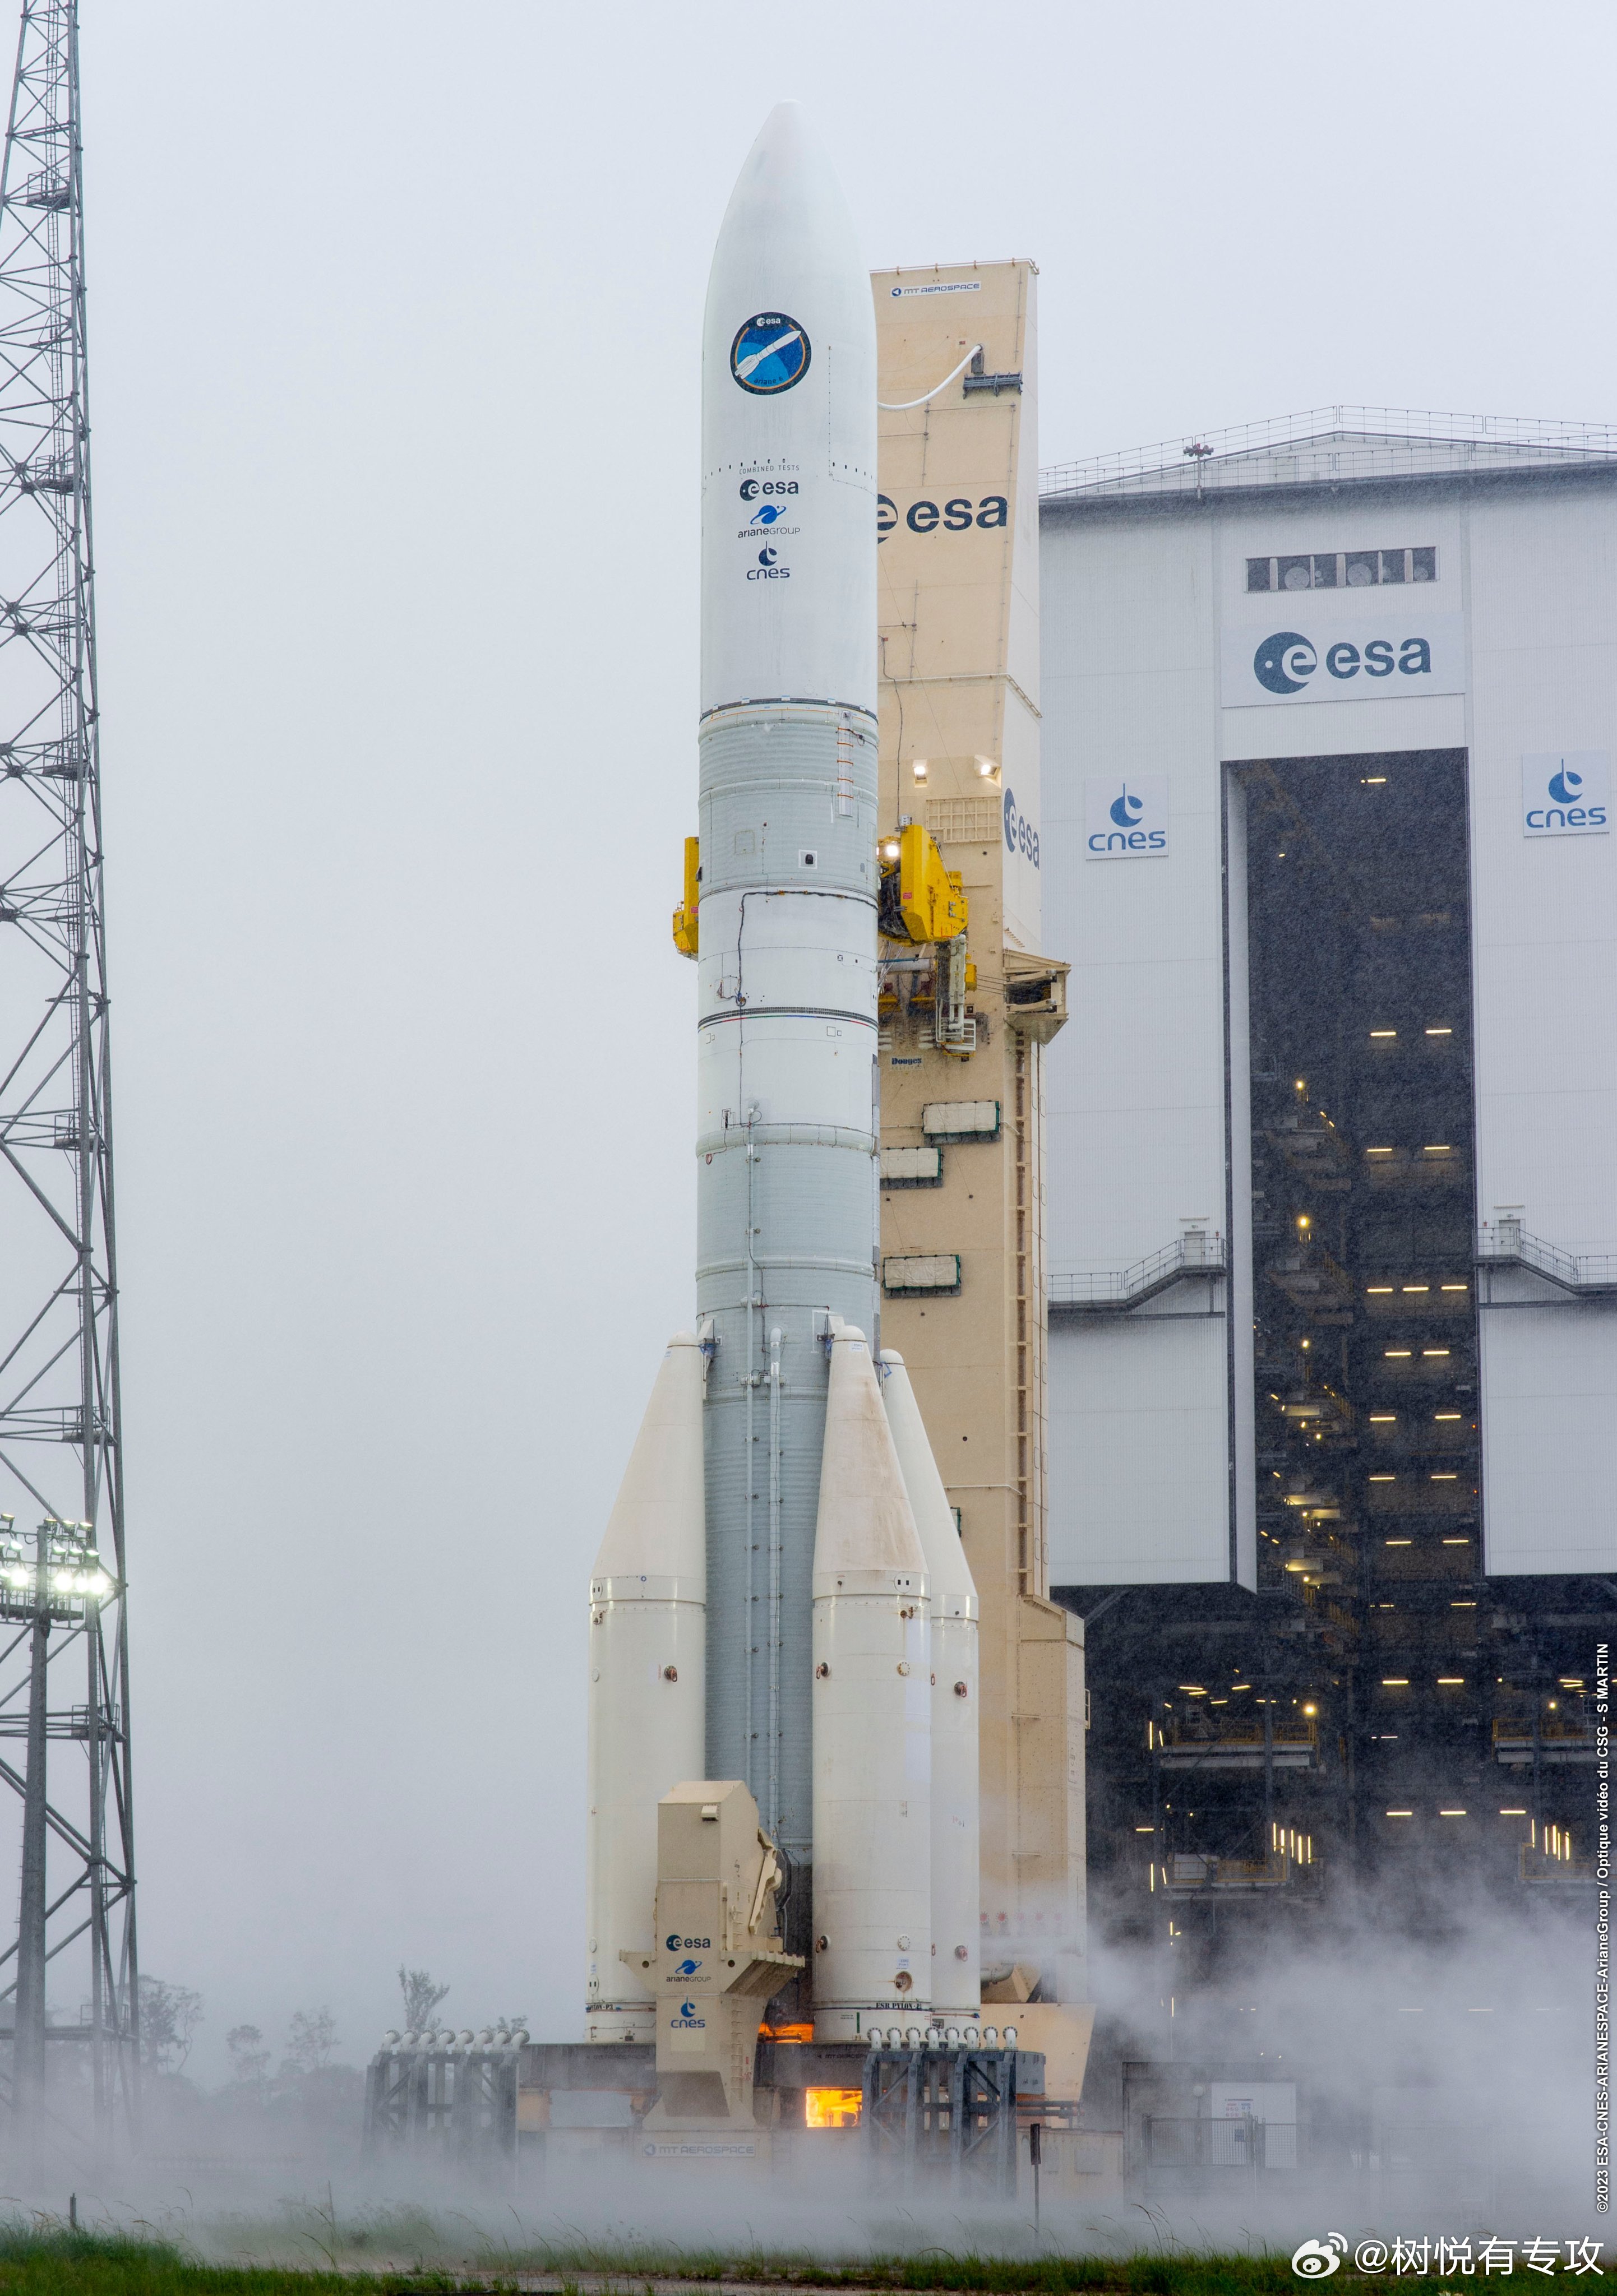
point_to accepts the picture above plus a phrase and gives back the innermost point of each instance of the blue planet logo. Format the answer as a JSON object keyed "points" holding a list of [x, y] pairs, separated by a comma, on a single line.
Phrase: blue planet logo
{"points": [[771, 353], [687, 1969], [1126, 810], [1283, 662], [766, 516], [1564, 786]]}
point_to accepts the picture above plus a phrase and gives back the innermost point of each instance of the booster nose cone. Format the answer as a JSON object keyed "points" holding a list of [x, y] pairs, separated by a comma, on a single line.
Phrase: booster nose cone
{"points": [[788, 437]]}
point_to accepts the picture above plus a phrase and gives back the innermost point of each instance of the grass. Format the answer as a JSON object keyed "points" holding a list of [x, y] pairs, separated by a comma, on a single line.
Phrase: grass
{"points": [[45, 2260]]}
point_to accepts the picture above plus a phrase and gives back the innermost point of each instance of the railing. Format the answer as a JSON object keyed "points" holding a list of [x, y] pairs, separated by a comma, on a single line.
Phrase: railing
{"points": [[1513, 1740], [1537, 1867], [1184, 1871], [1379, 440], [1237, 1737], [1197, 1252], [1582, 1276]]}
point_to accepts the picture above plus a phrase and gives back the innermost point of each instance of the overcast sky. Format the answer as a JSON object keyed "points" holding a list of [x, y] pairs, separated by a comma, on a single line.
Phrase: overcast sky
{"points": [[395, 312]]}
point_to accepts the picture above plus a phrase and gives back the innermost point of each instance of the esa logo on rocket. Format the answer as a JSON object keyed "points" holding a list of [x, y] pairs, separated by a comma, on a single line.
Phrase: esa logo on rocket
{"points": [[771, 353]]}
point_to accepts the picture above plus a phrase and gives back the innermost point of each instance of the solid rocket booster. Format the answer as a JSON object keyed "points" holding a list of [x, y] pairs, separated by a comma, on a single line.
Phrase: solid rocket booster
{"points": [[956, 1888], [872, 1941], [786, 1023], [647, 1657]]}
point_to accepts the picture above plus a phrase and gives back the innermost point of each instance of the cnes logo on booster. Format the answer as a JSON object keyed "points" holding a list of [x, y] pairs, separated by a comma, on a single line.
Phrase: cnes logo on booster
{"points": [[1331, 657]]}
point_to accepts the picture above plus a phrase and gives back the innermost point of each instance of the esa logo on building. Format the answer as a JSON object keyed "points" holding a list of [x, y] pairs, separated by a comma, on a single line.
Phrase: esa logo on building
{"points": [[1126, 816], [1020, 834], [959, 515], [1325, 657], [1284, 663], [1567, 794], [769, 354]]}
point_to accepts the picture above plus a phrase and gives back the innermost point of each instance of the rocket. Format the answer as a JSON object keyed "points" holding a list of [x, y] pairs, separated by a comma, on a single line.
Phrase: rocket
{"points": [[814, 1584]]}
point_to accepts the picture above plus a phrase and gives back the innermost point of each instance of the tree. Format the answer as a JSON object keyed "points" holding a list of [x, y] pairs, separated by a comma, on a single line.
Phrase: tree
{"points": [[249, 2057], [169, 2016], [310, 2039], [420, 1997]]}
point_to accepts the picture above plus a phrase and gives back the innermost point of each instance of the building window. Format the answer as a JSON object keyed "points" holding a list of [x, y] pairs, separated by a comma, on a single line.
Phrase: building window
{"points": [[1336, 569]]}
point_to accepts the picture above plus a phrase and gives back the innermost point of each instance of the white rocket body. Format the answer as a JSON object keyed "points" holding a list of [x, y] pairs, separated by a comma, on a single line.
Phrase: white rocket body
{"points": [[956, 1917], [817, 1677], [786, 1010], [873, 1957], [647, 1664]]}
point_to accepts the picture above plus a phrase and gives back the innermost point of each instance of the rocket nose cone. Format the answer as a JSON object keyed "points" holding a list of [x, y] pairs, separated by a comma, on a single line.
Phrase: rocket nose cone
{"points": [[784, 145], [788, 197]]}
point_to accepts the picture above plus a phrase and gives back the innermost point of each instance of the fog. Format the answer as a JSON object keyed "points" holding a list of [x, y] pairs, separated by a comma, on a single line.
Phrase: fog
{"points": [[394, 327]]}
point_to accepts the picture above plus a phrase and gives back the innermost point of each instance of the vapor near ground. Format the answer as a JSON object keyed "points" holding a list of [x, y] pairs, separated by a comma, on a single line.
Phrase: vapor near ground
{"points": [[1444, 2085]]}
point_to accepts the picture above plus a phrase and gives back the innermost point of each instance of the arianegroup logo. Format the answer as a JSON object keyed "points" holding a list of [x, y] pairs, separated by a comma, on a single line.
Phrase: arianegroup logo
{"points": [[1124, 817], [1567, 793], [1329, 660], [769, 354]]}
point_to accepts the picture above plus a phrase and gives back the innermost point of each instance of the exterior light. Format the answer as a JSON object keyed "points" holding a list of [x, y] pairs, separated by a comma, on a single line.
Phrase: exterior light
{"points": [[1384, 1032], [986, 768], [918, 768]]}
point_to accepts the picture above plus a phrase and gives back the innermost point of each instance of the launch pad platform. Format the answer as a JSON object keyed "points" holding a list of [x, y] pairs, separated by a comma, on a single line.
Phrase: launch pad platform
{"points": [[907, 2113]]}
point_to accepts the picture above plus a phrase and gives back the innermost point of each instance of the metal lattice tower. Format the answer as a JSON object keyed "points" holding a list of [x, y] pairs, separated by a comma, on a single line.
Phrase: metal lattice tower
{"points": [[60, 1451]]}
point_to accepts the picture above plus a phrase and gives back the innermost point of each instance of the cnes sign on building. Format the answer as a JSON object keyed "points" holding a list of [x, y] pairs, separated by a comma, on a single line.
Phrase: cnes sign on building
{"points": [[1319, 655]]}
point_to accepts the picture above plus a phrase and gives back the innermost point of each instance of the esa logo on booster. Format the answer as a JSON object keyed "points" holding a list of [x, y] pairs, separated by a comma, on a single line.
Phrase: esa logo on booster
{"points": [[771, 353]]}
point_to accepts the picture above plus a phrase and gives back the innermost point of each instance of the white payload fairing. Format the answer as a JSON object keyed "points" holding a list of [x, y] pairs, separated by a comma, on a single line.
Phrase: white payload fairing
{"points": [[819, 1652]]}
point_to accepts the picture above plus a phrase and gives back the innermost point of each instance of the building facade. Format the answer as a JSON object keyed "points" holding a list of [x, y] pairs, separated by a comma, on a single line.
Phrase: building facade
{"points": [[1331, 1218], [964, 1277]]}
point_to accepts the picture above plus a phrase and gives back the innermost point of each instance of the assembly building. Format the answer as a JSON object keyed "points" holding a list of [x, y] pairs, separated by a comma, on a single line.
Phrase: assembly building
{"points": [[1331, 1227]]}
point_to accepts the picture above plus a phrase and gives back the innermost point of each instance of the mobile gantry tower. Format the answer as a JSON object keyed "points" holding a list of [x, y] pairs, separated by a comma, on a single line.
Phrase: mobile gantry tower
{"points": [[63, 1639]]}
